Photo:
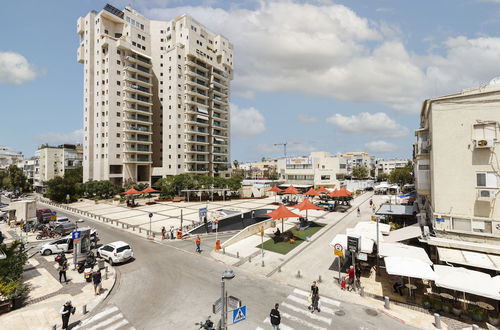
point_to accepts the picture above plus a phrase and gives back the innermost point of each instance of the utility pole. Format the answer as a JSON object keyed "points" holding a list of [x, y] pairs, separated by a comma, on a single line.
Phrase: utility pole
{"points": [[284, 146]]}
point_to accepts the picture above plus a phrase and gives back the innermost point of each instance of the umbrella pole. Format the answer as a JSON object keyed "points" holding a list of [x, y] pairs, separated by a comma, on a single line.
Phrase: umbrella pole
{"points": [[409, 286], [282, 226]]}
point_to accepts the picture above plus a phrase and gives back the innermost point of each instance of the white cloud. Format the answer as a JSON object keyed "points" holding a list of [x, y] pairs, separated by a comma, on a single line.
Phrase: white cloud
{"points": [[380, 147], [60, 138], [15, 69], [246, 122], [307, 119], [377, 124]]}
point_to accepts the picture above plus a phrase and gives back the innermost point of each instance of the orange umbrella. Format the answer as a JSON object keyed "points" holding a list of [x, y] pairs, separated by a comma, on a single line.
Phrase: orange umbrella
{"points": [[322, 190], [337, 193], [149, 190], [280, 213], [132, 191], [307, 205], [311, 192], [346, 191], [291, 190]]}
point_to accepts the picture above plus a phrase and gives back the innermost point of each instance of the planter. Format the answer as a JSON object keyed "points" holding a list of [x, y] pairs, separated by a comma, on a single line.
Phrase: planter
{"points": [[493, 320], [456, 311]]}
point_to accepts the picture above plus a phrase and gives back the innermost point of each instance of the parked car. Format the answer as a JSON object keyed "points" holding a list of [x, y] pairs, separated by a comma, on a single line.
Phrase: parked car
{"points": [[58, 221], [65, 228], [115, 252], [43, 215], [64, 244]]}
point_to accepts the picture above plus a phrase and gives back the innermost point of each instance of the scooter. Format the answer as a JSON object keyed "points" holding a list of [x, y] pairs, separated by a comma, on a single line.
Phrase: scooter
{"points": [[84, 264], [87, 273], [207, 325]]}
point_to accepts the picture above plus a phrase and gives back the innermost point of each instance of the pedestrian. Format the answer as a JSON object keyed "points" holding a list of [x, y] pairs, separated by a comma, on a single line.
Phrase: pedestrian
{"points": [[66, 310], [163, 233], [198, 244], [343, 284], [1, 237], [357, 272], [275, 317], [359, 212], [97, 279], [314, 297], [398, 286], [351, 274], [205, 222], [373, 208], [63, 267], [371, 202], [171, 232]]}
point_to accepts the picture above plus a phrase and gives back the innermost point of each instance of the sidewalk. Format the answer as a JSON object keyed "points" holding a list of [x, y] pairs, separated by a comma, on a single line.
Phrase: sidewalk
{"points": [[47, 295]]}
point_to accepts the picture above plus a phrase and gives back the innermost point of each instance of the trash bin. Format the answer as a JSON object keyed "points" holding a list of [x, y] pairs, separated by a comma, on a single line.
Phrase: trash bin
{"points": [[100, 264], [273, 224]]}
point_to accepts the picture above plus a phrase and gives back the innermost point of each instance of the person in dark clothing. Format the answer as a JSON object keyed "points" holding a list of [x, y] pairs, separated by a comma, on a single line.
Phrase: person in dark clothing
{"points": [[63, 267], [275, 317], [1, 237], [398, 286], [205, 223], [357, 271], [163, 233], [314, 297], [97, 278], [66, 310]]}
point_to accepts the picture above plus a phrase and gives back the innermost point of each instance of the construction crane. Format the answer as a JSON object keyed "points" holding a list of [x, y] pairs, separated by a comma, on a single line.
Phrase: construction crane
{"points": [[282, 144]]}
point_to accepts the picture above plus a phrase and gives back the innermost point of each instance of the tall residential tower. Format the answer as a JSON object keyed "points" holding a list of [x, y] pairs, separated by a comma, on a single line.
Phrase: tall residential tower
{"points": [[155, 97]]}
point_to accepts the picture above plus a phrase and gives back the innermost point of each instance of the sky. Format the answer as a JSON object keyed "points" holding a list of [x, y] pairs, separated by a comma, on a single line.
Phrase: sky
{"points": [[320, 75]]}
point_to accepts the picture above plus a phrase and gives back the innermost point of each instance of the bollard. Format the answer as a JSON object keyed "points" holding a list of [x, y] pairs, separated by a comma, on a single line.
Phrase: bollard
{"points": [[262, 263], [237, 254], [319, 279], [223, 250], [437, 321], [279, 269], [362, 291], [106, 273], [475, 327], [249, 258], [298, 274], [133, 228], [139, 230], [84, 310], [386, 302]]}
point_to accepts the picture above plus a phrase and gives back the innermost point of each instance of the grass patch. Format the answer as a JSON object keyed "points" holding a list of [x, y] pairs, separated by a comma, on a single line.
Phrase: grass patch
{"points": [[299, 235]]}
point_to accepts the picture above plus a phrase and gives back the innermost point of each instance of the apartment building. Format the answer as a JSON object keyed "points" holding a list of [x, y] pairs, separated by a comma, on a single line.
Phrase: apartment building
{"points": [[55, 161], [457, 171], [9, 157], [356, 159], [318, 169], [265, 168], [386, 166], [156, 97], [30, 168]]}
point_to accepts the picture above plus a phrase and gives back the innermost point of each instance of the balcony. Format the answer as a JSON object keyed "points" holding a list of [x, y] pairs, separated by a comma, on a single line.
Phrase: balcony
{"points": [[137, 108], [142, 159], [197, 93], [219, 133], [197, 120], [219, 91], [138, 59], [220, 160], [218, 83], [138, 138], [138, 99], [137, 68], [217, 107], [138, 118], [196, 130], [138, 149], [195, 101], [221, 100], [220, 142], [197, 83], [217, 124], [219, 151], [219, 116], [219, 74], [142, 129], [197, 74], [196, 150], [80, 25], [197, 65], [80, 54], [200, 169]]}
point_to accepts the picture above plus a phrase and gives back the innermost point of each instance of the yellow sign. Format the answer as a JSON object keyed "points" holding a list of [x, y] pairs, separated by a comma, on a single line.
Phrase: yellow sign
{"points": [[261, 230], [339, 253], [338, 250]]}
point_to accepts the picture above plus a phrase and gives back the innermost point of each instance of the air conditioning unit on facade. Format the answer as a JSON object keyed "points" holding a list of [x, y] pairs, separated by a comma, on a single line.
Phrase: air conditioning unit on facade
{"points": [[486, 194], [484, 143]]}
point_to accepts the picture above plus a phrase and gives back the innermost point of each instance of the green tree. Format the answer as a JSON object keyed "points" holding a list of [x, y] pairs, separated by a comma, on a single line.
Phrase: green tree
{"points": [[17, 180], [382, 177], [59, 187], [402, 175], [11, 270], [74, 175], [360, 172]]}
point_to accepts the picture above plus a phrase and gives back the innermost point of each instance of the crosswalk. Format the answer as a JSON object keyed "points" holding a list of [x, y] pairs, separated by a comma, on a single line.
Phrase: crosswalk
{"points": [[110, 319], [296, 315]]}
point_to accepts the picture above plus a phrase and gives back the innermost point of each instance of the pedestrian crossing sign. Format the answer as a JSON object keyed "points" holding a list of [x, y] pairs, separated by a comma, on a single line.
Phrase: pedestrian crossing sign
{"points": [[239, 314]]}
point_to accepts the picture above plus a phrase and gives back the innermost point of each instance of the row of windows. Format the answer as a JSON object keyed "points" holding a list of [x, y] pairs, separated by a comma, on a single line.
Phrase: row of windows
{"points": [[134, 23]]}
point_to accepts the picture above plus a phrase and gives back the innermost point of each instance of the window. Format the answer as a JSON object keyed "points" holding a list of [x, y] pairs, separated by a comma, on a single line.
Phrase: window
{"points": [[325, 177], [118, 145], [461, 224], [486, 179], [117, 124], [117, 155]]}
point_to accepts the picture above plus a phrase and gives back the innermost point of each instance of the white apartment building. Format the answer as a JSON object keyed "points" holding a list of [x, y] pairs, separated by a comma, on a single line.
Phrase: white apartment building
{"points": [[386, 166], [9, 157], [30, 168], [457, 174], [319, 169], [356, 159], [156, 97], [55, 161]]}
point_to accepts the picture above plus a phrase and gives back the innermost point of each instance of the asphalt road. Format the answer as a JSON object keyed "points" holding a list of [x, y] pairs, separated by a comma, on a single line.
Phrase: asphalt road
{"points": [[169, 286]]}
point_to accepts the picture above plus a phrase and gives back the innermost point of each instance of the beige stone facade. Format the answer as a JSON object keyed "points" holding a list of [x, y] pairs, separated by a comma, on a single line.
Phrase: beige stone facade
{"points": [[318, 169], [55, 161]]}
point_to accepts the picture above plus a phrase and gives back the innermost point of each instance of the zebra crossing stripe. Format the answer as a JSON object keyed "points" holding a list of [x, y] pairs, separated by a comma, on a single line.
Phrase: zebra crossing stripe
{"points": [[106, 322], [305, 303], [117, 325], [99, 316], [323, 299], [282, 326], [300, 321], [307, 313]]}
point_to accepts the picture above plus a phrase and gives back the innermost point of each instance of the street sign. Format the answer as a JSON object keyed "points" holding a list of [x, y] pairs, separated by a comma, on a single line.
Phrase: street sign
{"points": [[233, 302], [338, 250], [76, 234], [203, 212], [353, 243], [75, 241], [261, 230], [439, 219], [217, 306], [362, 256], [150, 215], [240, 314], [67, 197]]}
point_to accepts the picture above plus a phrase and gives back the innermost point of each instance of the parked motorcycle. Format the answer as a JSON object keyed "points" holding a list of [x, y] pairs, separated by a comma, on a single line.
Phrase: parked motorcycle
{"points": [[207, 325], [89, 262], [45, 233], [38, 227], [87, 273]]}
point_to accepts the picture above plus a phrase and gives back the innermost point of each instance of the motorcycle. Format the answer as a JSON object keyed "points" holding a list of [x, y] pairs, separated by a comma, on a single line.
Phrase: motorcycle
{"points": [[87, 273], [38, 227], [47, 233], [207, 325], [89, 262]]}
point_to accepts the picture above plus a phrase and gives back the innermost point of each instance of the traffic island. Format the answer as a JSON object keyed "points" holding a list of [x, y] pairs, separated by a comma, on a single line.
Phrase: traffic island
{"points": [[291, 238]]}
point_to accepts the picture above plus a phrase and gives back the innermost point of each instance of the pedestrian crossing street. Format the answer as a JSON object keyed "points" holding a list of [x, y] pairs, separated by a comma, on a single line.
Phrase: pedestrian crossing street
{"points": [[109, 319], [296, 315]]}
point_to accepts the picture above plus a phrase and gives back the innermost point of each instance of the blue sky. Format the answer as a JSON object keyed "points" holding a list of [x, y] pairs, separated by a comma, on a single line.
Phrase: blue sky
{"points": [[320, 75]]}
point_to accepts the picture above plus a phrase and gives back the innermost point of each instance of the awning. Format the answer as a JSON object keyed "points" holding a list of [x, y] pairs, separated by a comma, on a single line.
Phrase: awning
{"points": [[202, 110], [466, 280], [202, 117], [404, 234], [372, 226], [367, 233], [474, 259], [409, 267], [395, 209], [404, 251], [220, 140], [366, 244]]}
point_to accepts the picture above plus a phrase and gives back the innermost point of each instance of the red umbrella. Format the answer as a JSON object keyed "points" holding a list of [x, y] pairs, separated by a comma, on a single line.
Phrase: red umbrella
{"points": [[149, 190], [346, 191], [280, 213], [323, 190], [132, 191], [291, 190], [337, 193], [307, 205], [311, 192]]}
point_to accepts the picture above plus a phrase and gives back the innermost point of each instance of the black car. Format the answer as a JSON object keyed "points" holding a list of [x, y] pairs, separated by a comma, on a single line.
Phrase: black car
{"points": [[65, 228]]}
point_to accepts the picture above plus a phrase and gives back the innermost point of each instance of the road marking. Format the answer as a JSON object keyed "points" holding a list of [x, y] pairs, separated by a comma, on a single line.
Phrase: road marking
{"points": [[306, 303], [108, 321], [100, 315], [323, 299], [282, 326], [301, 321], [307, 313], [117, 325]]}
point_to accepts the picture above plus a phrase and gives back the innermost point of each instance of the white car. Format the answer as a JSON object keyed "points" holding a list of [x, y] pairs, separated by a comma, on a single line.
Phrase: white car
{"points": [[64, 244], [115, 252]]}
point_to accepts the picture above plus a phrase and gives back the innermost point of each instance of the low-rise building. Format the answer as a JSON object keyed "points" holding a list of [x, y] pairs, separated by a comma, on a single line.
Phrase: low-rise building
{"points": [[356, 159], [54, 161], [386, 166], [457, 174], [30, 168], [9, 157]]}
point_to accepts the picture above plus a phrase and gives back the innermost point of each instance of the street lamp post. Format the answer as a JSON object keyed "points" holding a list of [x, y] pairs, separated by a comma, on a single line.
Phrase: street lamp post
{"points": [[227, 275]]}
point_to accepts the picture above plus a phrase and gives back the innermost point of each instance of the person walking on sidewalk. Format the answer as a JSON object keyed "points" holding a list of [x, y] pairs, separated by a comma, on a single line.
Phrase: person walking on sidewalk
{"points": [[275, 317], [97, 279], [66, 310], [351, 275], [198, 244], [357, 272], [371, 202], [359, 212], [314, 297], [171, 232], [63, 267], [163, 233]]}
